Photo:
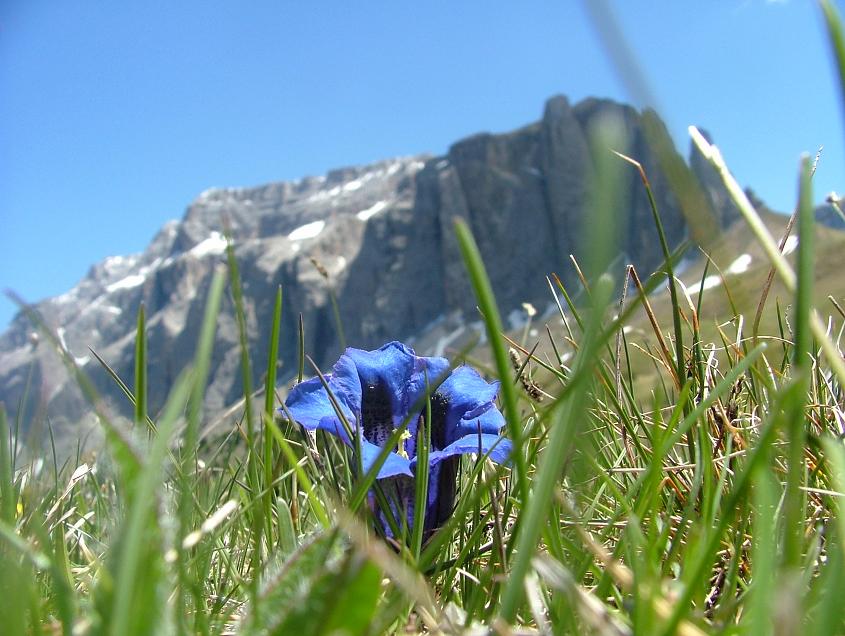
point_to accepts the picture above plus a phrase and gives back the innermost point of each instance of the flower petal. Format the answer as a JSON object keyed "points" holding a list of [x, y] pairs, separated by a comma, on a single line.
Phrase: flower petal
{"points": [[490, 422], [391, 367], [332, 424], [468, 397], [309, 403], [499, 449], [346, 383], [394, 465], [428, 373]]}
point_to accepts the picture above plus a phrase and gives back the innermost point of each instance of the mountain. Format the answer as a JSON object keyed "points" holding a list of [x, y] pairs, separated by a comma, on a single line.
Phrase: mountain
{"points": [[379, 236], [829, 215]]}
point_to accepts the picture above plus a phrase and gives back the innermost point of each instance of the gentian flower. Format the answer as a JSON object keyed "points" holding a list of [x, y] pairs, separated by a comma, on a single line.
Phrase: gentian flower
{"points": [[376, 391]]}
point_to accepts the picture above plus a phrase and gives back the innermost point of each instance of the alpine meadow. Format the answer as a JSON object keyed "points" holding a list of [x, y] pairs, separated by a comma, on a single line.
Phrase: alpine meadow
{"points": [[646, 438]]}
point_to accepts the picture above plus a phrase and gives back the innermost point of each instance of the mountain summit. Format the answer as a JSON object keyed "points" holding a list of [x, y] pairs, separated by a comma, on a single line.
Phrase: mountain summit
{"points": [[380, 237]]}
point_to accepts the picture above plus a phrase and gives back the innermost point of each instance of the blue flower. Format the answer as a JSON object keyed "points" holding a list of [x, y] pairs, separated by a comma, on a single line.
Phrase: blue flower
{"points": [[378, 391]]}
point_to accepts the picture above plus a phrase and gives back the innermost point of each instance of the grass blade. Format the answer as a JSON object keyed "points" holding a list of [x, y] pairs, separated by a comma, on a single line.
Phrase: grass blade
{"points": [[802, 352], [7, 487], [269, 397], [493, 323], [835, 37], [141, 369]]}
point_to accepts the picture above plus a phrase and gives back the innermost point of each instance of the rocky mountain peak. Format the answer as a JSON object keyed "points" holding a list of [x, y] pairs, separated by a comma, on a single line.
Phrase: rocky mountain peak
{"points": [[382, 237]]}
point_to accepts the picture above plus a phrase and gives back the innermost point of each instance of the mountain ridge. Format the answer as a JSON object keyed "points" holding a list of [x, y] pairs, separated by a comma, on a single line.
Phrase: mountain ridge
{"points": [[381, 238]]}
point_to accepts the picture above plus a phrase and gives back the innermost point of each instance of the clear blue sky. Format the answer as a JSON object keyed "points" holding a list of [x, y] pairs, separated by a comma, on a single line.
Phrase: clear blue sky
{"points": [[114, 116]]}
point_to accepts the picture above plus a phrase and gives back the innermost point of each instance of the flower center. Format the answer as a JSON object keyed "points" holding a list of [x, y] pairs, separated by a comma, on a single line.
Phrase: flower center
{"points": [[376, 412], [439, 406]]}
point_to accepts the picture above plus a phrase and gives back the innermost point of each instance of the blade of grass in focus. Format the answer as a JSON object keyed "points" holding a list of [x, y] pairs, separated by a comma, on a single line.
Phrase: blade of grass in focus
{"points": [[269, 396], [801, 360], [493, 323]]}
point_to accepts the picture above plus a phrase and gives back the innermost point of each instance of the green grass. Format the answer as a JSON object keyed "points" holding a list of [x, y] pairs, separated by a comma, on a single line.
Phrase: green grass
{"points": [[685, 475]]}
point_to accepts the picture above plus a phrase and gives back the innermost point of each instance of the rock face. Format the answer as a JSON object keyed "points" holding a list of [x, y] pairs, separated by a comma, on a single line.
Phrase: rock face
{"points": [[382, 236]]}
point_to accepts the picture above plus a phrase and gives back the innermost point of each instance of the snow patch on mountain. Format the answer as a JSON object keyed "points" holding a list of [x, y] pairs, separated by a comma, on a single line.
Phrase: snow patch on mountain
{"points": [[214, 245], [740, 265], [128, 282], [371, 211], [323, 195], [68, 297], [307, 231], [116, 263], [60, 333]]}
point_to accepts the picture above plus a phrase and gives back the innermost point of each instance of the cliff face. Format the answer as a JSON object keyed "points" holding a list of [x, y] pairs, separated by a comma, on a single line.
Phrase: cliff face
{"points": [[382, 235]]}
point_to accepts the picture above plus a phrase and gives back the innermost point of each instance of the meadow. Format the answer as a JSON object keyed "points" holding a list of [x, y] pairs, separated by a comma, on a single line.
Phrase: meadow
{"points": [[676, 466]]}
